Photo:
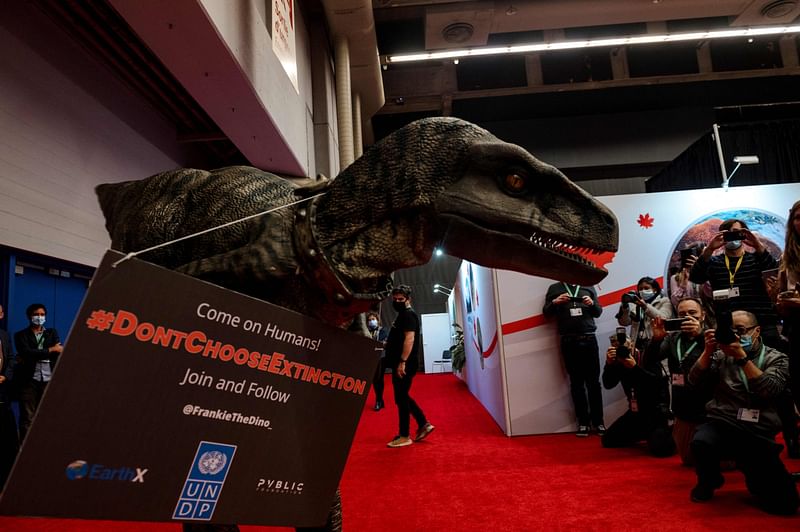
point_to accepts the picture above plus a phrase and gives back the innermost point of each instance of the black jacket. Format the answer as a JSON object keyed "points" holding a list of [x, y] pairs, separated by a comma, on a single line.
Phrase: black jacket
{"points": [[5, 366], [28, 352]]}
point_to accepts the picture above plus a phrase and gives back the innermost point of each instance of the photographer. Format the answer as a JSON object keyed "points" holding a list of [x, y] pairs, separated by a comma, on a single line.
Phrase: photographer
{"points": [[680, 287], [748, 378], [681, 350], [644, 310], [575, 308], [647, 391]]}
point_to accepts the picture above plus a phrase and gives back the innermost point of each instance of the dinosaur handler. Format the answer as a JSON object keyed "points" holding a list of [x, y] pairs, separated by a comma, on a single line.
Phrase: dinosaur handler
{"points": [[402, 349]]}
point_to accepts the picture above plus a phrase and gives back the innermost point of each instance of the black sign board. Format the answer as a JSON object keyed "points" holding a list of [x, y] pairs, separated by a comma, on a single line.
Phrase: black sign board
{"points": [[175, 399]]}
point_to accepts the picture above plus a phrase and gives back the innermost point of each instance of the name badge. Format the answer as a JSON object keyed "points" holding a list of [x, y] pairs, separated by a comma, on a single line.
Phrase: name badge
{"points": [[574, 312], [733, 292], [678, 379], [748, 414], [634, 405]]}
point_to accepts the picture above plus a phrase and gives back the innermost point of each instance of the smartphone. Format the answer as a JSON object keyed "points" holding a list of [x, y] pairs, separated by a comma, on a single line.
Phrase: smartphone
{"points": [[673, 324], [729, 236], [767, 274], [724, 332], [622, 349]]}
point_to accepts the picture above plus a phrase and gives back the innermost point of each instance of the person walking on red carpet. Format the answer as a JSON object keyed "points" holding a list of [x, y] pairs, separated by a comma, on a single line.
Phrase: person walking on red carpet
{"points": [[402, 348], [742, 416]]}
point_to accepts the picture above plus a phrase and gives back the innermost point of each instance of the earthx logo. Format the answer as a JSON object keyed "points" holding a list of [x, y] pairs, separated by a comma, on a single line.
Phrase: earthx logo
{"points": [[283, 487], [80, 469]]}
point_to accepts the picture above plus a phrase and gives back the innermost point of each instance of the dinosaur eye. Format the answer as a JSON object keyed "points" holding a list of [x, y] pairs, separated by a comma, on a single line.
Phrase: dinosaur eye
{"points": [[514, 183]]}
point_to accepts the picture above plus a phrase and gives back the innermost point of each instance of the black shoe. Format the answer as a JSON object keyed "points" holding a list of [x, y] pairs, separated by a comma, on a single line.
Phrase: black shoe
{"points": [[378, 405], [601, 429], [704, 492], [583, 431]]}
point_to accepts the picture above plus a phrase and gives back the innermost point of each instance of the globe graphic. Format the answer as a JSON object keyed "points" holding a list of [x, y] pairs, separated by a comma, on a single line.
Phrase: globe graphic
{"points": [[77, 469]]}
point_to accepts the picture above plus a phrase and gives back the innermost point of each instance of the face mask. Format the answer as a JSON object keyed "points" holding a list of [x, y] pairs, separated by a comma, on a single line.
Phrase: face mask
{"points": [[372, 324], [746, 342], [733, 244], [399, 305], [646, 294], [37, 320]]}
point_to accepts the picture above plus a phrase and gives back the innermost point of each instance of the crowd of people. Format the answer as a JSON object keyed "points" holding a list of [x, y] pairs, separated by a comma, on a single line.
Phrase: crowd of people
{"points": [[710, 371]]}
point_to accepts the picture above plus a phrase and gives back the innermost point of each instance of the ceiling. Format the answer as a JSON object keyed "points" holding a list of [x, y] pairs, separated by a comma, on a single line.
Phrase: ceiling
{"points": [[732, 76]]}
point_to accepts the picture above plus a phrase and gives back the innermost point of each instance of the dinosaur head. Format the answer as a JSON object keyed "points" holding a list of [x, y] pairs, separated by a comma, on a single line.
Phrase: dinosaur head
{"points": [[447, 182], [508, 210]]}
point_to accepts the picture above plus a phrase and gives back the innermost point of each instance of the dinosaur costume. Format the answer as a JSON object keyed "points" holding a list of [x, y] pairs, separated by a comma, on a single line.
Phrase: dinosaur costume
{"points": [[436, 182]]}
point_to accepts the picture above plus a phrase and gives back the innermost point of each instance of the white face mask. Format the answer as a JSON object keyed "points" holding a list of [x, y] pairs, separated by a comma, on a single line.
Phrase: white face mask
{"points": [[646, 294], [37, 320], [733, 244], [372, 324]]}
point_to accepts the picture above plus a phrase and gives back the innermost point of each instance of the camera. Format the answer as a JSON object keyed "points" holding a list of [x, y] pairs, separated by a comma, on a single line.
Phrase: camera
{"points": [[576, 299], [730, 236], [724, 332], [687, 253], [622, 349], [672, 325], [629, 297]]}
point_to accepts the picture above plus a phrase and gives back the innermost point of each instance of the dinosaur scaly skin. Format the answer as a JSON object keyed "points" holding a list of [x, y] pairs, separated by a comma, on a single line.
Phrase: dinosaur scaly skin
{"points": [[437, 181]]}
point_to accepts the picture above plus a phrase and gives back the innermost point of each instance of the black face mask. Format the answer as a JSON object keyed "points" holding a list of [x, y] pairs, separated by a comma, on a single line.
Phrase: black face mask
{"points": [[399, 306]]}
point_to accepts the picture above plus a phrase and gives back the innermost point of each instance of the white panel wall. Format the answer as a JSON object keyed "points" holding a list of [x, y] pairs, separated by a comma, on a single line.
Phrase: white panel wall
{"points": [[57, 142]]}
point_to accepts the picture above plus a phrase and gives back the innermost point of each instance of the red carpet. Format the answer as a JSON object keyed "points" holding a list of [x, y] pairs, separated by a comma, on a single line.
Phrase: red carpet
{"points": [[468, 476]]}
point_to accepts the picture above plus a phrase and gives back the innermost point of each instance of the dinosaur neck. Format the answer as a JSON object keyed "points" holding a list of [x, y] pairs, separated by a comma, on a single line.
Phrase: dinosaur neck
{"points": [[378, 216]]}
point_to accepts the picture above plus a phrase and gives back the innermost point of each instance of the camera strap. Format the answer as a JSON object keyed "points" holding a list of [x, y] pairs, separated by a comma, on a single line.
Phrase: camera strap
{"points": [[732, 274], [759, 365]]}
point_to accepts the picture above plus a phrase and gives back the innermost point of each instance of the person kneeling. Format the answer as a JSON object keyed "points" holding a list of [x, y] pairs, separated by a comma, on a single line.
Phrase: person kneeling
{"points": [[646, 388], [742, 415]]}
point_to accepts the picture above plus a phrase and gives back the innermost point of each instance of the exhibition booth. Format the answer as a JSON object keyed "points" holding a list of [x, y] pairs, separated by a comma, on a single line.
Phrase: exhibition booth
{"points": [[513, 365]]}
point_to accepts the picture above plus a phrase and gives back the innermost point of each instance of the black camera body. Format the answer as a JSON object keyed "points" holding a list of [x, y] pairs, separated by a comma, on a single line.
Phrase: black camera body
{"points": [[672, 325], [622, 349], [629, 297], [724, 332], [575, 299], [730, 236], [687, 253]]}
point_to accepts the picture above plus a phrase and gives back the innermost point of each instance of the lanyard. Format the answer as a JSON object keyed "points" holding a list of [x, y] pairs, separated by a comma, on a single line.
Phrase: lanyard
{"points": [[759, 365], [40, 341], [577, 289], [732, 274], [679, 350]]}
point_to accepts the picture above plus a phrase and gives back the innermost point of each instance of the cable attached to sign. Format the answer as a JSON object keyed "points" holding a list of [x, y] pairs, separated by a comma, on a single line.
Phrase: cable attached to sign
{"points": [[210, 229]]}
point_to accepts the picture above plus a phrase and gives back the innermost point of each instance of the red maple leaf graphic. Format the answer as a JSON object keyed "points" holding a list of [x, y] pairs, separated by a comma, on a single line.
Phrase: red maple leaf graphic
{"points": [[645, 220]]}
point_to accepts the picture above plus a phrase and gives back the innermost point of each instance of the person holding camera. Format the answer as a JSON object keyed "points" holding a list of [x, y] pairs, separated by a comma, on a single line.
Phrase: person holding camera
{"points": [[575, 308], [646, 388], [680, 287], [748, 378], [736, 277], [681, 350], [645, 311]]}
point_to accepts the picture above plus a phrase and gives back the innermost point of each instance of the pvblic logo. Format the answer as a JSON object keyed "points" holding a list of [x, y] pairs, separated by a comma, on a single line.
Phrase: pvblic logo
{"points": [[283, 487], [80, 469]]}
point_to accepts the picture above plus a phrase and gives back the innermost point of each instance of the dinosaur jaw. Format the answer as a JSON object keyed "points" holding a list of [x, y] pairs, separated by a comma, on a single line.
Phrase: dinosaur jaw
{"points": [[538, 254]]}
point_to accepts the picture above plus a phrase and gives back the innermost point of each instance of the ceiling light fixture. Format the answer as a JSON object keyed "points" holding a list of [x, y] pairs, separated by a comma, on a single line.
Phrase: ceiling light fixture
{"points": [[595, 43]]}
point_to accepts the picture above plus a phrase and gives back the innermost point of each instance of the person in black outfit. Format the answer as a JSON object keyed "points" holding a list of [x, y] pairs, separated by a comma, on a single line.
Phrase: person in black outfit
{"points": [[740, 272], [681, 350], [402, 352], [9, 437], [647, 390], [378, 334], [37, 352], [575, 308]]}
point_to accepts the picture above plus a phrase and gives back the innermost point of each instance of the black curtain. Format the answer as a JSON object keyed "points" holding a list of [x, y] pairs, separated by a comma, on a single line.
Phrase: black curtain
{"points": [[776, 143]]}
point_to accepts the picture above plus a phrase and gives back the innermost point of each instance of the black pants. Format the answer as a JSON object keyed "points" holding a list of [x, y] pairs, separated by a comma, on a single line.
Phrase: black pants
{"points": [[758, 458], [581, 360], [785, 402], [30, 395], [377, 380], [405, 404], [9, 441], [633, 427]]}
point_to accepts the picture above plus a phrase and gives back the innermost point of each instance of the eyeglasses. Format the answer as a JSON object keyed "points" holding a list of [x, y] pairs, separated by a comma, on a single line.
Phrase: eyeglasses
{"points": [[741, 331]]}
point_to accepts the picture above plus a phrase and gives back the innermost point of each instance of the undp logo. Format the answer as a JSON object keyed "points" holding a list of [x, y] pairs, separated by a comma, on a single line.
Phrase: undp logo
{"points": [[77, 470]]}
